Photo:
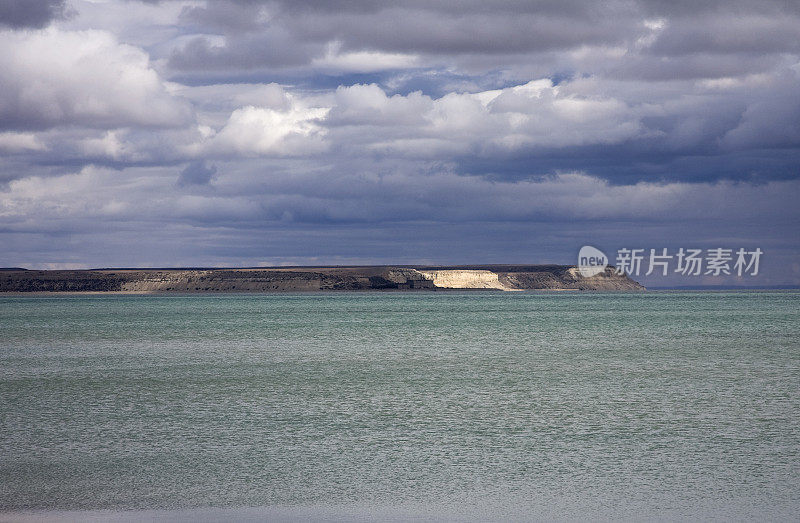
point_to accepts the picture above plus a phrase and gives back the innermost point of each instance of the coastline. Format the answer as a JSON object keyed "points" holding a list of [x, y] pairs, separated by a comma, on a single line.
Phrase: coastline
{"points": [[315, 279]]}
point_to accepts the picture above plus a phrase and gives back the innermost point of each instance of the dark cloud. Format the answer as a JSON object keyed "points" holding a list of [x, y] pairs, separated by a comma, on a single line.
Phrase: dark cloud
{"points": [[401, 215], [691, 8], [224, 16], [418, 31], [578, 8], [729, 33], [275, 34], [252, 51], [197, 173], [18, 14], [728, 37]]}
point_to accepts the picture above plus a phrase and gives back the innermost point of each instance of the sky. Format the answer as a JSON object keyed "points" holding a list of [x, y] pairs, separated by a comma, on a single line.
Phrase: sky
{"points": [[257, 133]]}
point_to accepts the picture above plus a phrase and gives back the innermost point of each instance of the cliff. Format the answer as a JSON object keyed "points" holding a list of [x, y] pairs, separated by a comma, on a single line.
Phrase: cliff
{"points": [[502, 277]]}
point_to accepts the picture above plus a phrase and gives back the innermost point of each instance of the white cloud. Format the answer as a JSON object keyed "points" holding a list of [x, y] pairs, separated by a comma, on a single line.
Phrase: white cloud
{"points": [[369, 105], [263, 131], [535, 114], [111, 145], [53, 77], [19, 142], [363, 61]]}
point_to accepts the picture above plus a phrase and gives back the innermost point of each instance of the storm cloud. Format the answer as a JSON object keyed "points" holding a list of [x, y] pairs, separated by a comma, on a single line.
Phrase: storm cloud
{"points": [[30, 13]]}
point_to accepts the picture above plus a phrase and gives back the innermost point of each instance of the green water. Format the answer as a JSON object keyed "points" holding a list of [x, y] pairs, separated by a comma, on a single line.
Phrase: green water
{"points": [[467, 405]]}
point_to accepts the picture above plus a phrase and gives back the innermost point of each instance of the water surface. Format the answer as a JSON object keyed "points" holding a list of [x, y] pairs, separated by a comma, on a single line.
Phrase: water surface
{"points": [[476, 405]]}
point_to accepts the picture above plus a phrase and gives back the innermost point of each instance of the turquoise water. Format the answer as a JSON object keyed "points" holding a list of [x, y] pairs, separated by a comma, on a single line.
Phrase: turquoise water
{"points": [[473, 405]]}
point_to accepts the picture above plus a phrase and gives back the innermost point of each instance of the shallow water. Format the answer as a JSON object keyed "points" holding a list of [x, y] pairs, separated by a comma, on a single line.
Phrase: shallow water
{"points": [[476, 405]]}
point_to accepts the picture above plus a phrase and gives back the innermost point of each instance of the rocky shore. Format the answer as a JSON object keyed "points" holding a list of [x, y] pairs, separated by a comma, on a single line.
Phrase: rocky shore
{"points": [[290, 279]]}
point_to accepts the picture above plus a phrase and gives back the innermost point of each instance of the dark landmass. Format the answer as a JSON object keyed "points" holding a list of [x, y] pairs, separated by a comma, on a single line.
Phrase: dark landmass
{"points": [[290, 279]]}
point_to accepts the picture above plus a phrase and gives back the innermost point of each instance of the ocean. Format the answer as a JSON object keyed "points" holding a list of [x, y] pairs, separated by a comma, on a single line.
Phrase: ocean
{"points": [[401, 405]]}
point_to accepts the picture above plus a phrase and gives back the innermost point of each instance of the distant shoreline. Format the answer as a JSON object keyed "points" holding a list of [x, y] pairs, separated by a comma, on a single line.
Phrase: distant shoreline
{"points": [[314, 279]]}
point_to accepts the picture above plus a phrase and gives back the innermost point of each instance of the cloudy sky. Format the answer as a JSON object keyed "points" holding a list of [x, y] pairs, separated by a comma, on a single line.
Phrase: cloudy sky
{"points": [[248, 132]]}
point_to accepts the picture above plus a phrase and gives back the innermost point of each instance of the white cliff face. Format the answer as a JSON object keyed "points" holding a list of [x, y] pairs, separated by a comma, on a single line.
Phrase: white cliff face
{"points": [[465, 279]]}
